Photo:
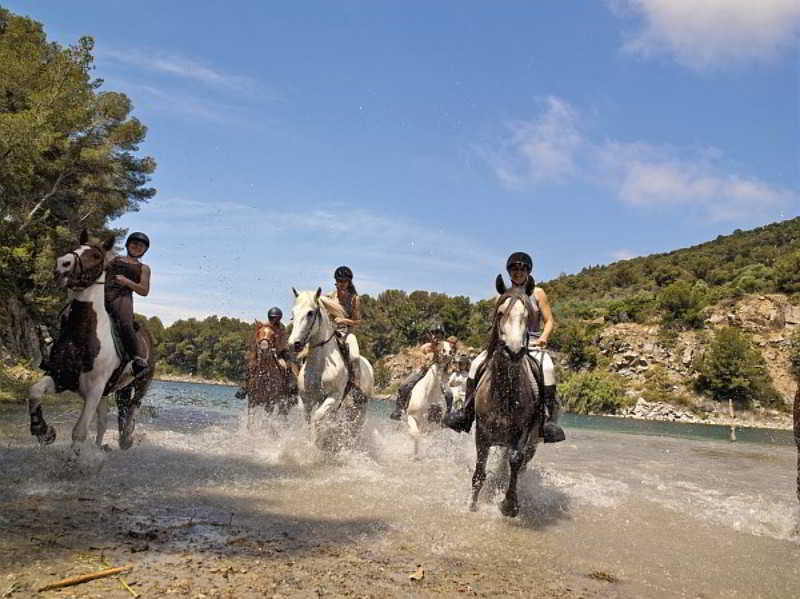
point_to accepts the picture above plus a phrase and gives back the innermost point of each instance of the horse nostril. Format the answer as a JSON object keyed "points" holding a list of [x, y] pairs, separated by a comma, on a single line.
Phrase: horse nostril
{"points": [[298, 346]]}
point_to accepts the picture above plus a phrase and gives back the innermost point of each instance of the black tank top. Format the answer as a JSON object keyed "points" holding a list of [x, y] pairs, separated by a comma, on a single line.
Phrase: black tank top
{"points": [[118, 266]]}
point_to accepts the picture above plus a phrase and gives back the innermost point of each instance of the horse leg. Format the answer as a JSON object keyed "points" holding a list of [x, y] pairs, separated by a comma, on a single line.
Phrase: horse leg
{"points": [[126, 417], [479, 476], [102, 422], [516, 459], [81, 429], [413, 430], [44, 433]]}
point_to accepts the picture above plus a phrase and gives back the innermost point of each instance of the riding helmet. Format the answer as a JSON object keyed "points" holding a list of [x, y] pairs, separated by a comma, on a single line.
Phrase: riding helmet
{"points": [[520, 258], [275, 312], [436, 326], [138, 236], [343, 273]]}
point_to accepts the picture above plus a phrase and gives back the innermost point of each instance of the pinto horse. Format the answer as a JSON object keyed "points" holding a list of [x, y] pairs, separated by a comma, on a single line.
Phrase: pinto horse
{"points": [[336, 416], [84, 358], [508, 407], [267, 382], [426, 396]]}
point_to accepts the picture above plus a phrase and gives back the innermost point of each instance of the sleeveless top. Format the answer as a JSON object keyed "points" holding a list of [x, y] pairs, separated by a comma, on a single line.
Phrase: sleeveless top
{"points": [[117, 266], [347, 309]]}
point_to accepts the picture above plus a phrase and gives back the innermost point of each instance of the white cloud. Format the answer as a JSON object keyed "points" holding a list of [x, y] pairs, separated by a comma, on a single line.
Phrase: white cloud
{"points": [[179, 66], [639, 173], [623, 254], [709, 33]]}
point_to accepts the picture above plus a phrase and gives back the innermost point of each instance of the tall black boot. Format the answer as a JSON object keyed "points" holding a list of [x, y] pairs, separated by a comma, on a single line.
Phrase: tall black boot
{"points": [[551, 432], [404, 393], [357, 393], [461, 420]]}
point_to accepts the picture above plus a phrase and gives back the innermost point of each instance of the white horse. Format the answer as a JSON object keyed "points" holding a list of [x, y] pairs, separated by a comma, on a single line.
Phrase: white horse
{"points": [[84, 357], [335, 419], [427, 395]]}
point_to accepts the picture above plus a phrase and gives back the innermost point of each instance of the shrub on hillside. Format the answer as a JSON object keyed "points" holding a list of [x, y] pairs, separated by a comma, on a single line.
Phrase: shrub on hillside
{"points": [[594, 392], [576, 341], [733, 370], [682, 304], [632, 309], [787, 272]]}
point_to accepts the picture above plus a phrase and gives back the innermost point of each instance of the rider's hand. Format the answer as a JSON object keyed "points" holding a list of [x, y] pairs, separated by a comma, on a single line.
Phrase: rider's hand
{"points": [[541, 342], [121, 280]]}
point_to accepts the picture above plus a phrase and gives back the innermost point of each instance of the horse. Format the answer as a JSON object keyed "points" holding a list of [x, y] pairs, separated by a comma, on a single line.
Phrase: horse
{"points": [[426, 400], [84, 358], [336, 416], [508, 409], [268, 382]]}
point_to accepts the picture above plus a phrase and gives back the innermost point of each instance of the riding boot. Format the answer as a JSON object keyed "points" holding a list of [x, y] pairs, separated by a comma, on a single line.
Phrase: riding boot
{"points": [[140, 367], [551, 432], [461, 420], [358, 394]]}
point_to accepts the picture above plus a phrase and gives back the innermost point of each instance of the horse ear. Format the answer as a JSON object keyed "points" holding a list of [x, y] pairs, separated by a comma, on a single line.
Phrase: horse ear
{"points": [[500, 285], [84, 238], [530, 286], [295, 292], [319, 292], [108, 244]]}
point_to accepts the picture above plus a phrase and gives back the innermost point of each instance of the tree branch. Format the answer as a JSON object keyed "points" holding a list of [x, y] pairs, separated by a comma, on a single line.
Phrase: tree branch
{"points": [[44, 198]]}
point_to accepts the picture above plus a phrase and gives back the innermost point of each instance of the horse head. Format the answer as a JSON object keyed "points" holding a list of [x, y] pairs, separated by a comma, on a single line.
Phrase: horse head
{"points": [[82, 266], [444, 353], [306, 317], [510, 327]]}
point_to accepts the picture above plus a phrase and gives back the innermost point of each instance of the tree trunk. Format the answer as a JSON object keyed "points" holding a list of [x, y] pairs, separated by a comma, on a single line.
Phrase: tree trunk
{"points": [[20, 335]]}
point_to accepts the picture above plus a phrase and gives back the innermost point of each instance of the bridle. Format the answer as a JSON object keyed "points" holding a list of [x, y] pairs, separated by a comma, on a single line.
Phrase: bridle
{"points": [[498, 324], [79, 277], [316, 316]]}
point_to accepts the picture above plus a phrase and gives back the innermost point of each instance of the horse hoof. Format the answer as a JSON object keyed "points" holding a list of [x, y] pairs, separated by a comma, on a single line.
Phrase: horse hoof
{"points": [[510, 510], [48, 437], [473, 506], [106, 448]]}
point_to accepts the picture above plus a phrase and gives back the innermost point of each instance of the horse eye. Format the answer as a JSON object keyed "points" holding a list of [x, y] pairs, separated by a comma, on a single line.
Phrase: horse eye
{"points": [[65, 264], [310, 312]]}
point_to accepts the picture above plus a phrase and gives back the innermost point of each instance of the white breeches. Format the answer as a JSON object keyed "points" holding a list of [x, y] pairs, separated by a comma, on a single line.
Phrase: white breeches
{"points": [[537, 353], [352, 347]]}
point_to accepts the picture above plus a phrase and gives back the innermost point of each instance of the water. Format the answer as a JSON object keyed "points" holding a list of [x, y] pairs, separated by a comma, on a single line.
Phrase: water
{"points": [[672, 510]]}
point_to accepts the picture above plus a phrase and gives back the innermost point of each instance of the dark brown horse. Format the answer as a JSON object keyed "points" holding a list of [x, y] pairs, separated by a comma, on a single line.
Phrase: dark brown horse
{"points": [[84, 358], [268, 377], [508, 409]]}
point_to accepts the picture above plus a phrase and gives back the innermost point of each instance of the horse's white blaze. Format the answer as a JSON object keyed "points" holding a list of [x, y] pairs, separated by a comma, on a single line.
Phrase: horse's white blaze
{"points": [[514, 326]]}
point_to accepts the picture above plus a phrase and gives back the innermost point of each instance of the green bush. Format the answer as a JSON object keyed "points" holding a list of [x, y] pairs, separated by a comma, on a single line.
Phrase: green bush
{"points": [[576, 340], [382, 375], [682, 305], [732, 369], [594, 392], [787, 273]]}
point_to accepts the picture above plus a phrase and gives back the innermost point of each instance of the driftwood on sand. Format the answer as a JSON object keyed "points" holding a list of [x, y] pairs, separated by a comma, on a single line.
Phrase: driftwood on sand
{"points": [[73, 580]]}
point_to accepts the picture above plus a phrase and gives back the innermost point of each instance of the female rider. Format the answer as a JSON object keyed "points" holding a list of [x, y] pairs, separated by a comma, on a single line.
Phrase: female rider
{"points": [[347, 315], [125, 275], [540, 325]]}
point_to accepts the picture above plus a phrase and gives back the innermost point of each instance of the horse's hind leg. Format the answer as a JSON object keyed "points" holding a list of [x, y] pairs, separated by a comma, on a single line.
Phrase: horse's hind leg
{"points": [[44, 433], [479, 476], [413, 430], [516, 460], [126, 416], [102, 421]]}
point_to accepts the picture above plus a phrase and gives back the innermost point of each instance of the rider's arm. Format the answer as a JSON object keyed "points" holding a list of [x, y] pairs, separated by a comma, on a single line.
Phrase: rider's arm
{"points": [[143, 286], [547, 315], [356, 315]]}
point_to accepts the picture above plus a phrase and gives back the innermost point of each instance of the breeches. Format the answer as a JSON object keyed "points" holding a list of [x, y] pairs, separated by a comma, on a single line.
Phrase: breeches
{"points": [[537, 353], [121, 309], [352, 347]]}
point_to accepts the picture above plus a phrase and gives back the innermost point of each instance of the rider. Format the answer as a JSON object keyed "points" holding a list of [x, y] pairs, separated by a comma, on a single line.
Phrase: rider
{"points": [[458, 379], [435, 335], [124, 275], [347, 316], [282, 351], [540, 324]]}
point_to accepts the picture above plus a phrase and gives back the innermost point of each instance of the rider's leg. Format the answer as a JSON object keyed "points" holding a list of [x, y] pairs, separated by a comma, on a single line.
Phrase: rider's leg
{"points": [[355, 365], [551, 431], [404, 393], [121, 309], [447, 393], [461, 420]]}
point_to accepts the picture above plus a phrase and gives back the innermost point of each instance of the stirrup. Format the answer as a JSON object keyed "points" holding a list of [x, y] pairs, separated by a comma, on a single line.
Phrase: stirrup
{"points": [[458, 421]]}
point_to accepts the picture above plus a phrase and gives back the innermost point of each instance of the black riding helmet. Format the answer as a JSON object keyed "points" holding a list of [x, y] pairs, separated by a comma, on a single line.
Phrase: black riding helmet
{"points": [[435, 327], [343, 273], [138, 236], [520, 258], [274, 312]]}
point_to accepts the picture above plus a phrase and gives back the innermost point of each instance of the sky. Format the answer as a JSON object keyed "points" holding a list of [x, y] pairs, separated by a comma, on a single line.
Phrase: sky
{"points": [[422, 142]]}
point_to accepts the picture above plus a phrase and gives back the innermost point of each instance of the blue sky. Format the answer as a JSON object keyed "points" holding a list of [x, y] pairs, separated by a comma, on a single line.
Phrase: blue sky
{"points": [[421, 142]]}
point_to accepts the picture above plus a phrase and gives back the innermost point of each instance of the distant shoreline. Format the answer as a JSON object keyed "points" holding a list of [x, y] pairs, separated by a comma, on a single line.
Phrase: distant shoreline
{"points": [[187, 378]]}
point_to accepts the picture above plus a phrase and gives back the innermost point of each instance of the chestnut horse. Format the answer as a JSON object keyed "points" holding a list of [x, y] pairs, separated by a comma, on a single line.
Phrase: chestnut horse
{"points": [[508, 408], [84, 358], [267, 381]]}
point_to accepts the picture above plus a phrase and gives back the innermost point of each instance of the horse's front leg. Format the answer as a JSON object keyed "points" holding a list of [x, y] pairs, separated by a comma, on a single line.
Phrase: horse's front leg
{"points": [[126, 416], [415, 432], [102, 421], [44, 433], [80, 432], [479, 476], [516, 460]]}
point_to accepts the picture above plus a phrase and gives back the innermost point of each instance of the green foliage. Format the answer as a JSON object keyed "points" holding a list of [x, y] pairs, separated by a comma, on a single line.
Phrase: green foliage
{"points": [[682, 304], [732, 368], [576, 340], [794, 355], [787, 272], [67, 160], [637, 308], [594, 392], [382, 375]]}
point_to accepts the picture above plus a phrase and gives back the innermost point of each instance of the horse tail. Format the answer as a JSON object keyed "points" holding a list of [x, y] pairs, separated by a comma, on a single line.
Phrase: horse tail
{"points": [[141, 385]]}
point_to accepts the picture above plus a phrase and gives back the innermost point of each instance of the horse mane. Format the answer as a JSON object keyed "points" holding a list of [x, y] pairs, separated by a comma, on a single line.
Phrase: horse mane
{"points": [[494, 334], [332, 307]]}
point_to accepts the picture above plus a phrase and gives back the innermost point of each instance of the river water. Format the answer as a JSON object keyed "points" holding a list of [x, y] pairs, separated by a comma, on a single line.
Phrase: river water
{"points": [[669, 510]]}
